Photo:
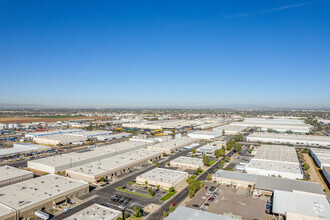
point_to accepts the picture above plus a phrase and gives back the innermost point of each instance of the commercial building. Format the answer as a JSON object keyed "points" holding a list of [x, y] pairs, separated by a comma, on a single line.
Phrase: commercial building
{"points": [[45, 133], [164, 124], [112, 136], [279, 125], [187, 162], [209, 149], [275, 160], [295, 139], [172, 145], [10, 175], [62, 162], [144, 139], [300, 205], [320, 156], [209, 135], [111, 167], [264, 185], [230, 129], [23, 148], [95, 212], [7, 213], [184, 213], [91, 134], [41, 193], [165, 178], [59, 139]]}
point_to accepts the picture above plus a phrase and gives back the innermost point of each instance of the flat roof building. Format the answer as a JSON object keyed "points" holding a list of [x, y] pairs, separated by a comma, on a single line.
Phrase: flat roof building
{"points": [[275, 160], [45, 133], [209, 135], [321, 156], [326, 173], [112, 136], [300, 205], [187, 162], [23, 148], [184, 213], [111, 167], [230, 129], [164, 124], [91, 134], [165, 178], [172, 145], [279, 125], [264, 184], [289, 139], [62, 162], [209, 149], [59, 139], [10, 175], [95, 212], [40, 193]]}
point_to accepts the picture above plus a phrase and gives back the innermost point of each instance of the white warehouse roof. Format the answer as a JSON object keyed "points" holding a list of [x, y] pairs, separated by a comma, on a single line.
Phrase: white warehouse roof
{"points": [[188, 161], [21, 148], [163, 175], [307, 204], [95, 212], [8, 172]]}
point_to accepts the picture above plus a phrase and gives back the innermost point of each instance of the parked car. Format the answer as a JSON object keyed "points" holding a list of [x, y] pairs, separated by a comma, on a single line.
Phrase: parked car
{"points": [[195, 205], [66, 210], [172, 204]]}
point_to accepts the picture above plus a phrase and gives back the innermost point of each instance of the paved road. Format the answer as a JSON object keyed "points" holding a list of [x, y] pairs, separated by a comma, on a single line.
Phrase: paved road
{"points": [[103, 194], [182, 194]]}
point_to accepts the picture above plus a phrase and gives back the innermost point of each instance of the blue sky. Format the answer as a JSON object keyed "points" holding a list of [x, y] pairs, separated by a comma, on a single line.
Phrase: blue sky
{"points": [[165, 53]]}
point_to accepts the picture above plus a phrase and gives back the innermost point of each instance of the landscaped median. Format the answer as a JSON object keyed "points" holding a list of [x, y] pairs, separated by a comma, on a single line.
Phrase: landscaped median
{"points": [[167, 196], [212, 162], [139, 194]]}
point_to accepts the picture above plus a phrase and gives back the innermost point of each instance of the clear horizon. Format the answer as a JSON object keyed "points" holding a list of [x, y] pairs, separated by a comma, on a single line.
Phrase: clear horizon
{"points": [[200, 54]]}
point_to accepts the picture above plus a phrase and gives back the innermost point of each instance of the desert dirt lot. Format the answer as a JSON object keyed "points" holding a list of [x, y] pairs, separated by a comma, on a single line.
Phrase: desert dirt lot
{"points": [[29, 120]]}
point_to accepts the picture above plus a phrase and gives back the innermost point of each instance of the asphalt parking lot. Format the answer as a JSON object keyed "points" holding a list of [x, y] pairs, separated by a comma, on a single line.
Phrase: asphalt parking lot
{"points": [[243, 157]]}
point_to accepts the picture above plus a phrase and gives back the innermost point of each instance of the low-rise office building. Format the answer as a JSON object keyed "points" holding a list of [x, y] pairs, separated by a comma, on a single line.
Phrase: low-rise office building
{"points": [[320, 156], [11, 175], [23, 148], [209, 149], [276, 160], [172, 145], [295, 139], [111, 167], [95, 212], [62, 162], [165, 178], [187, 162], [264, 185], [208, 135], [41, 193], [300, 205]]}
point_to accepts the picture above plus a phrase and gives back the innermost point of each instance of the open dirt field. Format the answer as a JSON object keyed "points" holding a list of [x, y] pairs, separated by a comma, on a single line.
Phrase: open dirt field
{"points": [[29, 120]]}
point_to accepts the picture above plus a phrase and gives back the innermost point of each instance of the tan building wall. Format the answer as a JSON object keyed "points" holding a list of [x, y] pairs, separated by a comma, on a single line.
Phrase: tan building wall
{"points": [[16, 180]]}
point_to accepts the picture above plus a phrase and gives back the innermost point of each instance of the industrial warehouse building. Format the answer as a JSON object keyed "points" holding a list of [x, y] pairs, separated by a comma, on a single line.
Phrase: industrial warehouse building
{"points": [[289, 139], [208, 135], [97, 212], [112, 136], [264, 185], [11, 175], [46, 133], [326, 173], [111, 167], [276, 160], [279, 125], [62, 162], [320, 156], [172, 145], [59, 139], [23, 148], [187, 162], [209, 149], [300, 205], [165, 178], [91, 134], [184, 213], [165, 124], [41, 193], [230, 129]]}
